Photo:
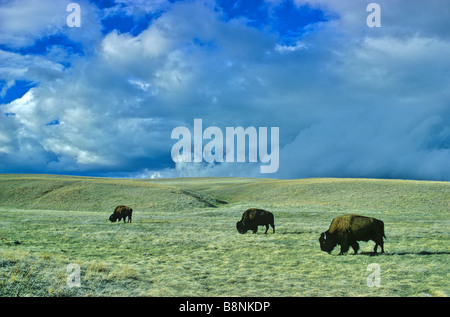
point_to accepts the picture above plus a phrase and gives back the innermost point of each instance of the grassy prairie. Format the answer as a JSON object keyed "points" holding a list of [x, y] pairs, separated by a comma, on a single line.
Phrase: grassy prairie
{"points": [[183, 240]]}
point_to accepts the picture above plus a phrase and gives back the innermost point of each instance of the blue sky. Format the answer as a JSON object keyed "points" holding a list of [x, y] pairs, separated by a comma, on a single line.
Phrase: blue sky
{"points": [[102, 99]]}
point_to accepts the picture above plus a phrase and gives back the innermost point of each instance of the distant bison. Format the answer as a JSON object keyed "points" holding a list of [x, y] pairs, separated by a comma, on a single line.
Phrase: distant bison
{"points": [[348, 229], [252, 218], [121, 212]]}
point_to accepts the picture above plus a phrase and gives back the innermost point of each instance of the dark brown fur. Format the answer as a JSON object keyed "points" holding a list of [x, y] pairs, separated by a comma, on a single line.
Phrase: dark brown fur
{"points": [[252, 218], [348, 229], [121, 212]]}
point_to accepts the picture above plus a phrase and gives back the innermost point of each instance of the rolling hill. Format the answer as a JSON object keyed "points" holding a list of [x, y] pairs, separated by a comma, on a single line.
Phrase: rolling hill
{"points": [[183, 240]]}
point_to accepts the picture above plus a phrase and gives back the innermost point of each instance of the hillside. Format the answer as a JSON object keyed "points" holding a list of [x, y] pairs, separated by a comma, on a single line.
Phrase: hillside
{"points": [[183, 239], [94, 194], [330, 193], [103, 194]]}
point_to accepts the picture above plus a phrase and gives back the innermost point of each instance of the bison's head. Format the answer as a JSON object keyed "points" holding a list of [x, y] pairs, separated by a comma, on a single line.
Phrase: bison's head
{"points": [[241, 227], [327, 244], [112, 218]]}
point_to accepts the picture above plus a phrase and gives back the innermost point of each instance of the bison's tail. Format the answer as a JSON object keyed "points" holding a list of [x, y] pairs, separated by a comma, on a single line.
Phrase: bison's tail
{"points": [[381, 226]]}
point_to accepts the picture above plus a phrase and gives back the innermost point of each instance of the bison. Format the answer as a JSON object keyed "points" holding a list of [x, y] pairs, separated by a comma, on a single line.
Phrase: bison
{"points": [[121, 212], [348, 229], [252, 218]]}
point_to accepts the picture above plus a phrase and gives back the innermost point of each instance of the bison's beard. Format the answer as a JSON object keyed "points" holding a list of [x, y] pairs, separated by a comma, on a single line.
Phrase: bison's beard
{"points": [[112, 218], [240, 227], [326, 244]]}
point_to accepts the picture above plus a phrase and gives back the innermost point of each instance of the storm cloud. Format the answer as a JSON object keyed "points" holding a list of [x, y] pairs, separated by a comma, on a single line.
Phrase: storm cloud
{"points": [[349, 100]]}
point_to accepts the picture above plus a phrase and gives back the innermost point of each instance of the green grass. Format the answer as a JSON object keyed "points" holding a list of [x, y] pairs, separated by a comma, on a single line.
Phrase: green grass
{"points": [[183, 240]]}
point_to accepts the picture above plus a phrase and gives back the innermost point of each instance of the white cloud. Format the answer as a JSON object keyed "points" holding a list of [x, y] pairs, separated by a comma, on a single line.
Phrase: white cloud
{"points": [[14, 66], [399, 18], [137, 8], [349, 101], [22, 22]]}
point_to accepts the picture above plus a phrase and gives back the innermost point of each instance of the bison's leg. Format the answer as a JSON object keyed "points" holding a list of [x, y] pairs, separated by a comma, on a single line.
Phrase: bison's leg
{"points": [[255, 229], [355, 246], [344, 247], [378, 243], [273, 227], [344, 243], [267, 228]]}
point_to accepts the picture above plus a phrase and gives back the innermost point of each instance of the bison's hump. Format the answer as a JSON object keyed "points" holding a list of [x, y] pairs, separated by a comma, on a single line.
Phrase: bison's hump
{"points": [[350, 222]]}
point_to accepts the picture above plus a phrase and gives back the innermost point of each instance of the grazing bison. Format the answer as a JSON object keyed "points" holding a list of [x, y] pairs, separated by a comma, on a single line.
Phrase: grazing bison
{"points": [[121, 212], [252, 218], [348, 229]]}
